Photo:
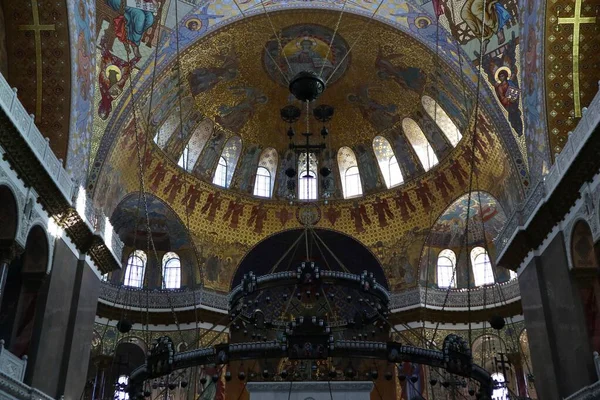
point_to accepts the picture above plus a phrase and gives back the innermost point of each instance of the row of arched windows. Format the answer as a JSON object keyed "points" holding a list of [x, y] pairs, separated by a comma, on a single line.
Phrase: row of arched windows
{"points": [[136, 268], [307, 180], [481, 266]]}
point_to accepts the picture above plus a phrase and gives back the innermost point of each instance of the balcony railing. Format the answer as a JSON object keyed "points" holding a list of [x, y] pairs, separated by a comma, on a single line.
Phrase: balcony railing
{"points": [[40, 146], [455, 299], [576, 140]]}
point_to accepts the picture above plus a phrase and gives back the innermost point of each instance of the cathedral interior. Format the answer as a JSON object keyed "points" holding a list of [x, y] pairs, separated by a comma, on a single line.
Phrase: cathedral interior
{"points": [[293, 199]]}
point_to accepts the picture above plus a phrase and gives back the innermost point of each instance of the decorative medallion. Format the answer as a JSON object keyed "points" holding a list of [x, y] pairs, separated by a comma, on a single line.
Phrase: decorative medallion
{"points": [[306, 48], [308, 214]]}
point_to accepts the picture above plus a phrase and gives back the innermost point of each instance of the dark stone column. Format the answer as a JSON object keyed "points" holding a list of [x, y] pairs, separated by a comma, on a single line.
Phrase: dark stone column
{"points": [[8, 252], [560, 350], [79, 332], [48, 347]]}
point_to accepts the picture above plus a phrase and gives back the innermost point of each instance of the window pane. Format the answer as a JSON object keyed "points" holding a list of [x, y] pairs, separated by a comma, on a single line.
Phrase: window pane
{"points": [[394, 175], [120, 389], [482, 267], [353, 186], [221, 173], [171, 271], [420, 144], [183, 160], [387, 161], [307, 189], [262, 184], [440, 116], [446, 272], [134, 273], [307, 178]]}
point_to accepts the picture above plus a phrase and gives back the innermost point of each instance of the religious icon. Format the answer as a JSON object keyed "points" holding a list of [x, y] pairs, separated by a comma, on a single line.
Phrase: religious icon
{"points": [[235, 117], [485, 19], [205, 78], [391, 67], [136, 17], [306, 47]]}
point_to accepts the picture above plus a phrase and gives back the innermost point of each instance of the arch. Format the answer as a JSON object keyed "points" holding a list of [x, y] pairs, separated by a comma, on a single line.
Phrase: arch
{"points": [[171, 271], [273, 250], [486, 220], [9, 213], [419, 143], [441, 118], [307, 177], [128, 356], [482, 267], [171, 123], [220, 177], [183, 161], [135, 270], [446, 269], [263, 182], [198, 140], [388, 164], [582, 246], [231, 154], [24, 291], [268, 160], [585, 263], [349, 173]]}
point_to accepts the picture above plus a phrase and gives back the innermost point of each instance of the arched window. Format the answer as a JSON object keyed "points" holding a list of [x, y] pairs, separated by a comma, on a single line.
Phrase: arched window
{"points": [[482, 267], [437, 113], [262, 183], [171, 124], [501, 391], [349, 174], [388, 164], [171, 271], [446, 271], [420, 144], [201, 134], [266, 164], [136, 266], [121, 388], [231, 155], [184, 159], [220, 177], [307, 177], [352, 182]]}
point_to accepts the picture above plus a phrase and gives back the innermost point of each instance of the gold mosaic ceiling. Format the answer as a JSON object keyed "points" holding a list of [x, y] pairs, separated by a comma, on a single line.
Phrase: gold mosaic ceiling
{"points": [[251, 88]]}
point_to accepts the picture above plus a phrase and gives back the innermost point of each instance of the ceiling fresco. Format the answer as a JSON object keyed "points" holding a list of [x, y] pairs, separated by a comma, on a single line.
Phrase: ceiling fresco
{"points": [[226, 69], [393, 224]]}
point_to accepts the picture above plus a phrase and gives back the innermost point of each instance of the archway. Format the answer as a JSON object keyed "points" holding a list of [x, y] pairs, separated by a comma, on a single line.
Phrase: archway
{"points": [[32, 274], [585, 272], [10, 269], [332, 250]]}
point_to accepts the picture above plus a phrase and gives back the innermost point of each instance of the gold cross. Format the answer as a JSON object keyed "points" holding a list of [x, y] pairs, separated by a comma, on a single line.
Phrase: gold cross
{"points": [[576, 20], [37, 28]]}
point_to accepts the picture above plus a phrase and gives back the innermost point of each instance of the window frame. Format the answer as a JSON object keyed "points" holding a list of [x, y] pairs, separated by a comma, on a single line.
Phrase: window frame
{"points": [[127, 279], [439, 273], [354, 189], [265, 185], [486, 276], [302, 188], [169, 258], [221, 173]]}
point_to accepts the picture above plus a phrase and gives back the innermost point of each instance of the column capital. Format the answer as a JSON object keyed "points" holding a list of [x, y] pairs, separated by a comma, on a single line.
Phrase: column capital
{"points": [[9, 250]]}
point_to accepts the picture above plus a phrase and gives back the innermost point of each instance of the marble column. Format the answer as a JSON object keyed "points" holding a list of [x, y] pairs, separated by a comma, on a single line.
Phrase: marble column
{"points": [[335, 390], [560, 349]]}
